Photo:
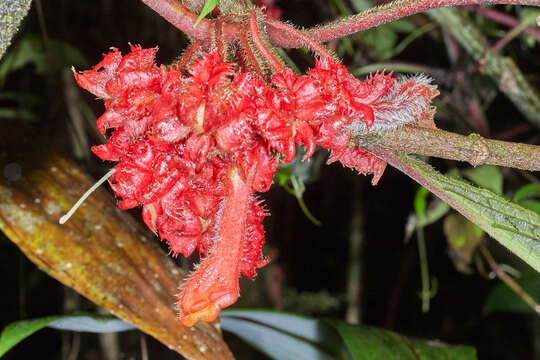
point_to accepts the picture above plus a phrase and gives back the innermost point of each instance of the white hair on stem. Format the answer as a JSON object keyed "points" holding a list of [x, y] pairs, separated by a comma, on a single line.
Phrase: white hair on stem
{"points": [[79, 202]]}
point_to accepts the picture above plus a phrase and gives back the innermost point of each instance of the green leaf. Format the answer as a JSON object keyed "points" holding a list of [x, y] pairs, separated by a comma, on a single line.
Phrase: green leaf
{"points": [[487, 176], [531, 205], [527, 191], [369, 343], [434, 213], [504, 299], [30, 50], [209, 5], [80, 321], [20, 330], [420, 202], [514, 227]]}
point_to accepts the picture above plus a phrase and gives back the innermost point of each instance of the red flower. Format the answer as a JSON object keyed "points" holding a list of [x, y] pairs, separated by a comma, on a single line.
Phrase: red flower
{"points": [[192, 150]]}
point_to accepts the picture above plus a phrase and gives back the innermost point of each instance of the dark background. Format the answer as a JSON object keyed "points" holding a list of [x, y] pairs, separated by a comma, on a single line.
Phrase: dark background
{"points": [[309, 263]]}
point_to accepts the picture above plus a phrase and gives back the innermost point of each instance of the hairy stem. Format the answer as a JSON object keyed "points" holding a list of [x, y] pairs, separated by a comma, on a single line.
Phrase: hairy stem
{"points": [[375, 16], [300, 36], [474, 148], [184, 19], [253, 29]]}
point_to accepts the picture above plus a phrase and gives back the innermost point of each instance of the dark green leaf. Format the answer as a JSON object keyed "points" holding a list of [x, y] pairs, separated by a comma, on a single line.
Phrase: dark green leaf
{"points": [[286, 336], [527, 191], [504, 299], [30, 50], [487, 176], [434, 212], [531, 205], [515, 227], [18, 331], [368, 343]]}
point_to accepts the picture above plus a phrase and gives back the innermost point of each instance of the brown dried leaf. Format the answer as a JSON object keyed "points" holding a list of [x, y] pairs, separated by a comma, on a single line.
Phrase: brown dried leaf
{"points": [[101, 252]]}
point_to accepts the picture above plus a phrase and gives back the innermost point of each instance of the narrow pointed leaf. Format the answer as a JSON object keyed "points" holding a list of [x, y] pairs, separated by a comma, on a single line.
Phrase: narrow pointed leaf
{"points": [[18, 331], [209, 6], [514, 227]]}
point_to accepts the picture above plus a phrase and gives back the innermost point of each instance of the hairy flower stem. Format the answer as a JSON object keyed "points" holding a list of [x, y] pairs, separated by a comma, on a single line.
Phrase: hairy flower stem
{"points": [[188, 54], [214, 285], [376, 16], [253, 29], [250, 59], [299, 35], [443, 144]]}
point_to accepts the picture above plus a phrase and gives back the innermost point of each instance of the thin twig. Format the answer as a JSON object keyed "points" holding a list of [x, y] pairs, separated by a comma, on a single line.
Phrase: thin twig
{"points": [[504, 19], [515, 31], [474, 148], [508, 280]]}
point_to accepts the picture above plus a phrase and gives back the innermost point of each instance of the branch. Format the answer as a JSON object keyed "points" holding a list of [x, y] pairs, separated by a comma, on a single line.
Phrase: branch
{"points": [[184, 19], [502, 70], [376, 16], [443, 144]]}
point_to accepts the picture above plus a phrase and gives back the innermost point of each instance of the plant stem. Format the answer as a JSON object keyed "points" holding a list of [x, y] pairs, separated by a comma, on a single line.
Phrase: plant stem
{"points": [[474, 148], [425, 295], [511, 283], [502, 70], [184, 19], [376, 16], [353, 314], [504, 19]]}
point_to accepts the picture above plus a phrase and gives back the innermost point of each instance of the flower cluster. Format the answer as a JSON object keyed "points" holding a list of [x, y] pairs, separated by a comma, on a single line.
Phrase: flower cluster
{"points": [[194, 147]]}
